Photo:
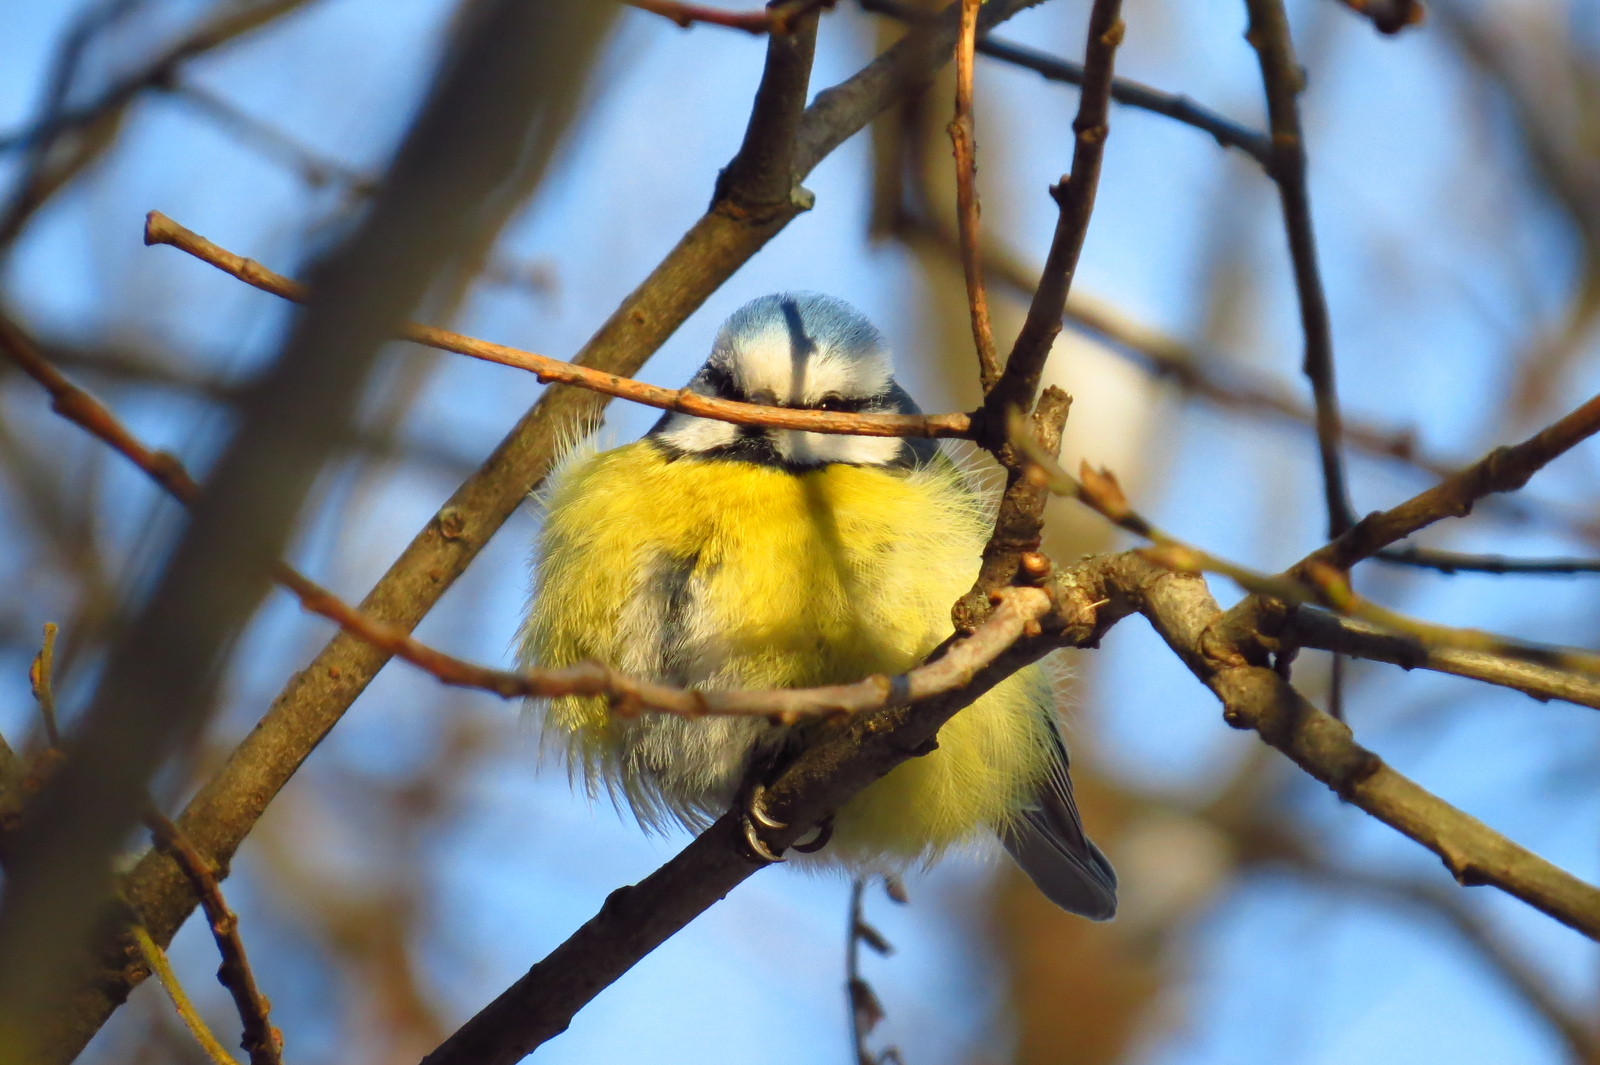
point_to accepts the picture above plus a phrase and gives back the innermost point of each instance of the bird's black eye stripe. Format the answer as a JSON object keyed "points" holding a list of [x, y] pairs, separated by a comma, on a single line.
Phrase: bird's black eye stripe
{"points": [[719, 379], [848, 405]]}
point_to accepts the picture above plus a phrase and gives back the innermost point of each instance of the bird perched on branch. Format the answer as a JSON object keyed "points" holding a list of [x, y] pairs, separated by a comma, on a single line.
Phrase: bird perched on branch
{"points": [[716, 556]]}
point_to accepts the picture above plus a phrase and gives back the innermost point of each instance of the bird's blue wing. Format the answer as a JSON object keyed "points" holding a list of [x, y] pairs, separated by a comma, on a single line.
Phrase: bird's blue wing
{"points": [[1047, 839]]}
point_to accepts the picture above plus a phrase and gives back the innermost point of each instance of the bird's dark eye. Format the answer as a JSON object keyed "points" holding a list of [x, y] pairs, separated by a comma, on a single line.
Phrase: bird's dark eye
{"points": [[831, 402]]}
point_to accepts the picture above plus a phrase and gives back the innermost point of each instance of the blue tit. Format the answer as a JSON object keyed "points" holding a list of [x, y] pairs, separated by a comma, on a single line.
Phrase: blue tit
{"points": [[714, 556]]}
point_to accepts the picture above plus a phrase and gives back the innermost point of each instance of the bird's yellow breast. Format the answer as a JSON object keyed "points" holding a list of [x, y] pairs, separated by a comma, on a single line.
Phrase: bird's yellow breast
{"points": [[724, 574]]}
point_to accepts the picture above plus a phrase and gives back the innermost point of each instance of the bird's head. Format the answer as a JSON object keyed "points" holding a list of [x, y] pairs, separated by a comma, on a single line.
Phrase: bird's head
{"points": [[801, 350]]}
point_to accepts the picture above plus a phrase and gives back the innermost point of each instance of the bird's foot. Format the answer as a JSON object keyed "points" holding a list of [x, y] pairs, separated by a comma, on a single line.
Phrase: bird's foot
{"points": [[755, 813]]}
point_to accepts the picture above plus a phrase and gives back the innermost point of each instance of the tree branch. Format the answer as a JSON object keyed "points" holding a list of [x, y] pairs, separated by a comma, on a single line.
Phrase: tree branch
{"points": [[777, 18], [1505, 469], [1311, 627], [1281, 75], [1225, 131], [512, 67], [1453, 562], [963, 141], [1075, 197], [159, 229], [261, 1040], [1255, 696], [156, 959]]}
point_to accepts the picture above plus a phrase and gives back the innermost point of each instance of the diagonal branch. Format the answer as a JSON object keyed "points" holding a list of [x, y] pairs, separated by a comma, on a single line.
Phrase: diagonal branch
{"points": [[1255, 696], [504, 78], [1311, 627], [159, 229], [1505, 469], [637, 919]]}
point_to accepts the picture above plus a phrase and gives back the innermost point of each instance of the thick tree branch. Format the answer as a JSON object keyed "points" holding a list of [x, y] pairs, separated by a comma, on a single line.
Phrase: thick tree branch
{"points": [[510, 79], [1282, 77], [1255, 696]]}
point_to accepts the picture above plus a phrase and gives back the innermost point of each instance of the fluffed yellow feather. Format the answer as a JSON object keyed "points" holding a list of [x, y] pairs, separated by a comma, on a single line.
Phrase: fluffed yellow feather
{"points": [[816, 577]]}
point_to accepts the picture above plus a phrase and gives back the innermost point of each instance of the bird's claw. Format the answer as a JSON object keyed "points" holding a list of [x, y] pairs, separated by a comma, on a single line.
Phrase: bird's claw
{"points": [[755, 812]]}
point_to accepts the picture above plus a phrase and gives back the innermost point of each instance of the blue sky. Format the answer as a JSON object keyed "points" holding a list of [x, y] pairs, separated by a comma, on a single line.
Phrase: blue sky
{"points": [[1438, 261]]}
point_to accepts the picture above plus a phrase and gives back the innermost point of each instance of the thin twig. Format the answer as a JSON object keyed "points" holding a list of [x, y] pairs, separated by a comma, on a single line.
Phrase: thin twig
{"points": [[775, 18], [1453, 562], [1312, 583], [1327, 631], [1505, 469], [261, 1040], [1281, 75], [963, 141], [159, 229], [1075, 198], [156, 959], [42, 682], [866, 1011], [1226, 132], [79, 407]]}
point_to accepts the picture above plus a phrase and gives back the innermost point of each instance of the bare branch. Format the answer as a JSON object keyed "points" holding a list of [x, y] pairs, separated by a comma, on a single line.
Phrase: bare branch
{"points": [[510, 73], [1075, 197], [1225, 131], [1311, 627], [1255, 696], [963, 140], [1281, 75], [1453, 562], [159, 229], [1505, 469], [261, 1040]]}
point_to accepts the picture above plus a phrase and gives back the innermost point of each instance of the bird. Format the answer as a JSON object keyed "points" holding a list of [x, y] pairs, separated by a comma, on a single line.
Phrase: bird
{"points": [[717, 556]]}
